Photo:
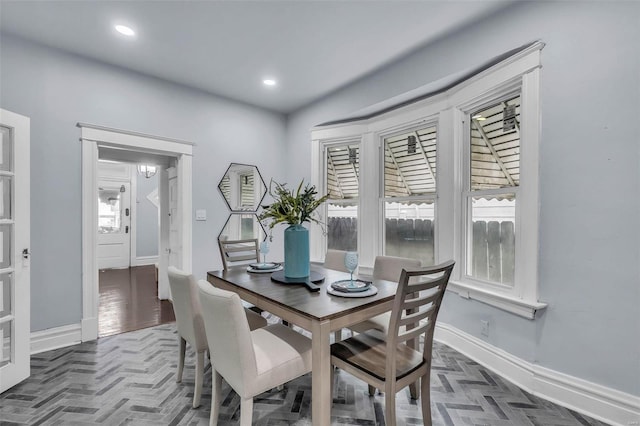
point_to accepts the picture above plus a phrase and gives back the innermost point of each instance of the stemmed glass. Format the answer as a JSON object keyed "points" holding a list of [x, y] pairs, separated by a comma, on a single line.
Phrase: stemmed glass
{"points": [[264, 249], [351, 263]]}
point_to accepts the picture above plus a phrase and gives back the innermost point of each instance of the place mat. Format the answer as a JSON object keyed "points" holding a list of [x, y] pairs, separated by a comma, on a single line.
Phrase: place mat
{"points": [[264, 271], [372, 290]]}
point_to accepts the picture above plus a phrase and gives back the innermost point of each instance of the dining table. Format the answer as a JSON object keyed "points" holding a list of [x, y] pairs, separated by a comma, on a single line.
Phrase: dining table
{"points": [[318, 312]]}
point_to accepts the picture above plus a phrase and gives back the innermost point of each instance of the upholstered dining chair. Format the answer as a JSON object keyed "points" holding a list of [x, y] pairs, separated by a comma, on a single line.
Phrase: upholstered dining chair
{"points": [[388, 268], [238, 252], [334, 259], [188, 312], [251, 362], [387, 361]]}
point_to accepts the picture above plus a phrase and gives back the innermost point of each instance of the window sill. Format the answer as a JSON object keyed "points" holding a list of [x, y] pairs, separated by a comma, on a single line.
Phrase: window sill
{"points": [[519, 307]]}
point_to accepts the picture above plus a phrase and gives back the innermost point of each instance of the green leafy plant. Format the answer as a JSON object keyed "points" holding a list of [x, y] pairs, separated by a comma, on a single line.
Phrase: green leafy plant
{"points": [[289, 207]]}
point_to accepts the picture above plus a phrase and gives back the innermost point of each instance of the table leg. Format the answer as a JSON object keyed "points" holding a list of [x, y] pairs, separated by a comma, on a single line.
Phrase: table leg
{"points": [[321, 375]]}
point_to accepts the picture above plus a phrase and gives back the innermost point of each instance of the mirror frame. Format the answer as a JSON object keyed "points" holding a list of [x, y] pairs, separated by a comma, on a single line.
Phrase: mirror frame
{"points": [[255, 207]]}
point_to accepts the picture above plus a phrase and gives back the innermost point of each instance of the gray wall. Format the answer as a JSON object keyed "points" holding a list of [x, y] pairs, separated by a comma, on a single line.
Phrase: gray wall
{"points": [[589, 178], [57, 90], [147, 217]]}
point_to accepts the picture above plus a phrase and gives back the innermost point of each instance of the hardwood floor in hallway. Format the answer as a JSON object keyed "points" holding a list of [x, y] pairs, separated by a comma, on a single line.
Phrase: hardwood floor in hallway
{"points": [[129, 301]]}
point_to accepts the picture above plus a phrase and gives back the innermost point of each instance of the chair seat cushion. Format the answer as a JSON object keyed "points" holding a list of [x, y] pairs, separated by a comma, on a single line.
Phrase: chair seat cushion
{"points": [[367, 352], [282, 354]]}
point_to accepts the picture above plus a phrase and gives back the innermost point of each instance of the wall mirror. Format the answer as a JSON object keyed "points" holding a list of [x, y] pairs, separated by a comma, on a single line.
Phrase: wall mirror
{"points": [[242, 187], [242, 226]]}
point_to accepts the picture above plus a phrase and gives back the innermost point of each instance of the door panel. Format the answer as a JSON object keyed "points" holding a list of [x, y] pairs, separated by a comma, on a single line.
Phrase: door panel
{"points": [[15, 329], [114, 224]]}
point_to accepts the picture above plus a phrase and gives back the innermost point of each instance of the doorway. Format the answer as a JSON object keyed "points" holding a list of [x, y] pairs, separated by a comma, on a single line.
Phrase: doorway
{"points": [[129, 147], [128, 246]]}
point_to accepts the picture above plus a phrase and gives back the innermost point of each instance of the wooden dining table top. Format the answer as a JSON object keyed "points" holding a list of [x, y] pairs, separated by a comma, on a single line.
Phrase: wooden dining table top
{"points": [[318, 305]]}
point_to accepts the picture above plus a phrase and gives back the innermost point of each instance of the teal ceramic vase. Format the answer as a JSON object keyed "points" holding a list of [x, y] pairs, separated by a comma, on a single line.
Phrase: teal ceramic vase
{"points": [[296, 252]]}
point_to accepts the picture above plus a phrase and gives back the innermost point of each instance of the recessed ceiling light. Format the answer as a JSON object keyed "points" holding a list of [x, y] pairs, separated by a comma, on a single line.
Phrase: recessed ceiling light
{"points": [[269, 82], [124, 30]]}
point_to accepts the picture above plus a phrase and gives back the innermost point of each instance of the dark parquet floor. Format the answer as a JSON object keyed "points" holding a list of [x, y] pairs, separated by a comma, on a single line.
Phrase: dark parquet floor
{"points": [[129, 301], [129, 379]]}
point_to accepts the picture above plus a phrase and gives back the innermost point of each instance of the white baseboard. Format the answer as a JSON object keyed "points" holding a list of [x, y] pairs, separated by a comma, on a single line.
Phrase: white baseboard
{"points": [[597, 401], [55, 338], [144, 260]]}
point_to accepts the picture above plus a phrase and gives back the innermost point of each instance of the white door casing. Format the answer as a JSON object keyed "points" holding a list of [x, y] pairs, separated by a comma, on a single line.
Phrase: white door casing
{"points": [[175, 248], [15, 304], [92, 137], [114, 224]]}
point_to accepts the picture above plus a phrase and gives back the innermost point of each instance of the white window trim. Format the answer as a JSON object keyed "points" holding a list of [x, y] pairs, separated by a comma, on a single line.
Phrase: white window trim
{"points": [[520, 72]]}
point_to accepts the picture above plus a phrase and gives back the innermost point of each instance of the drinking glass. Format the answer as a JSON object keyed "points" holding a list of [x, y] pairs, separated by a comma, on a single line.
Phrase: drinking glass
{"points": [[264, 249], [351, 263]]}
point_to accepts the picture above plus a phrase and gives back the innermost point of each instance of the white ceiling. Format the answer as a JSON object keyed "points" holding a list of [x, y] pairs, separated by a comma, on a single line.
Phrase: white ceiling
{"points": [[227, 47]]}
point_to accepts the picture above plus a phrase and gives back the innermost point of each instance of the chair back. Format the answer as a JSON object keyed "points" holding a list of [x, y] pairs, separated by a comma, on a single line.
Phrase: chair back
{"points": [[334, 259], [238, 252], [231, 348], [186, 306], [389, 267], [416, 305]]}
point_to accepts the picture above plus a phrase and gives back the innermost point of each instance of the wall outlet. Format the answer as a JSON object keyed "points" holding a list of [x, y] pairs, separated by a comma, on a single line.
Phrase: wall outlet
{"points": [[485, 328]]}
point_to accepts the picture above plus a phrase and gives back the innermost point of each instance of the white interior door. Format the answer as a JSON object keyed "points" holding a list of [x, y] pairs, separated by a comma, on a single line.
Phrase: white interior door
{"points": [[114, 224], [15, 310]]}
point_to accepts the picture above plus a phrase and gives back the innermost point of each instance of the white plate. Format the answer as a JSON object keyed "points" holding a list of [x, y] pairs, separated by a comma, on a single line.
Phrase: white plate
{"points": [[268, 265], [351, 286], [263, 271], [372, 290]]}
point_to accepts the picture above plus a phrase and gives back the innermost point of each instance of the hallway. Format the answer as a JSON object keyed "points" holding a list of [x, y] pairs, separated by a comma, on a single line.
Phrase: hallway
{"points": [[129, 301]]}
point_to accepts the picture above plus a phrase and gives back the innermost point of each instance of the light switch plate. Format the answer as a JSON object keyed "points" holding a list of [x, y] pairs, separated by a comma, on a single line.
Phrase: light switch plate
{"points": [[201, 214]]}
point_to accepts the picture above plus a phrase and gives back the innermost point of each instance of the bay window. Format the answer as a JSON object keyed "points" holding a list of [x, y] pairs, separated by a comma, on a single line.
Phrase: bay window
{"points": [[451, 175]]}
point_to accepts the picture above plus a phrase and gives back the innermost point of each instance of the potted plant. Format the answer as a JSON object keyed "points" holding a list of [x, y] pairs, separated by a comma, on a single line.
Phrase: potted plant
{"points": [[293, 208]]}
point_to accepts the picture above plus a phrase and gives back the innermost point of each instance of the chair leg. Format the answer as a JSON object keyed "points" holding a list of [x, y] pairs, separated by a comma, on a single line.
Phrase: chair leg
{"points": [[372, 390], [181, 351], [426, 399], [414, 389], [390, 406], [331, 382], [197, 392], [246, 411], [216, 389]]}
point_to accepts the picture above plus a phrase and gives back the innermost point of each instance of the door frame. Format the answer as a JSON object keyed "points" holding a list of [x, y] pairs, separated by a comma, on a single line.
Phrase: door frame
{"points": [[92, 137]]}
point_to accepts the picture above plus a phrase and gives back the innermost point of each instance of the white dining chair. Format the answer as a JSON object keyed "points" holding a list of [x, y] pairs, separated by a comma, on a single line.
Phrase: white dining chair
{"points": [[251, 362], [188, 312], [334, 259]]}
